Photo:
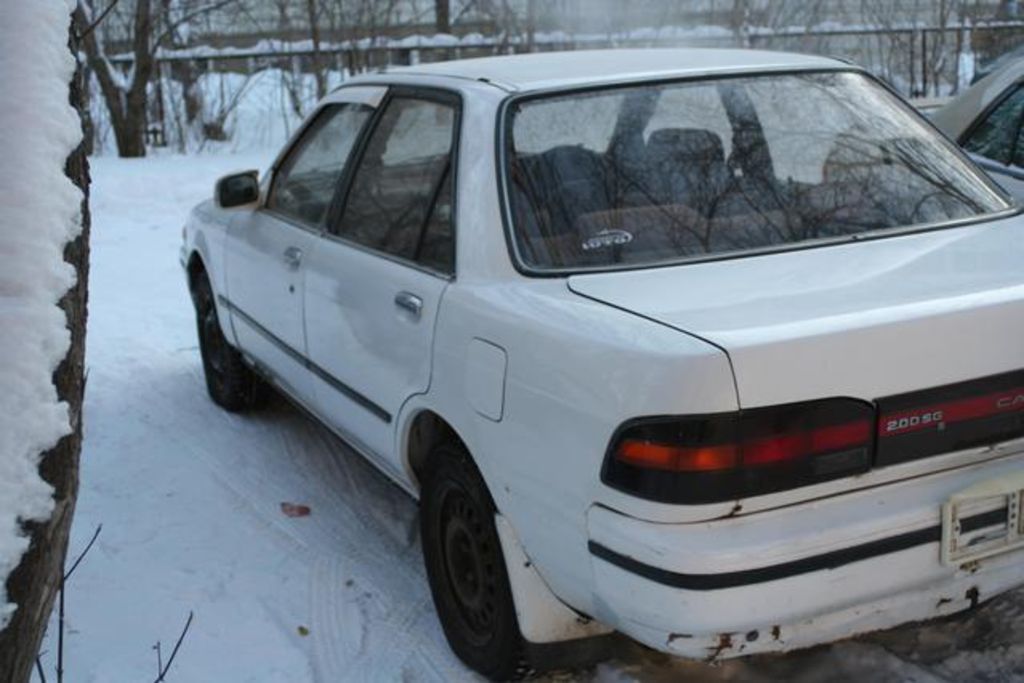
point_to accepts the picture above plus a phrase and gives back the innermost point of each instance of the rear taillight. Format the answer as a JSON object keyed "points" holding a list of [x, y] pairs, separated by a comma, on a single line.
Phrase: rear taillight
{"points": [[722, 457]]}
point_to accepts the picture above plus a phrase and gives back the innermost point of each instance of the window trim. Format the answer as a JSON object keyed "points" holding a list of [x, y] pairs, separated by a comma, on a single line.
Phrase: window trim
{"points": [[296, 147], [442, 95], [503, 138]]}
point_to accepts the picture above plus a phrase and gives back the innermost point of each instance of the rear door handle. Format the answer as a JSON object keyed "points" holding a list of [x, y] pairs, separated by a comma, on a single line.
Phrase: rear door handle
{"points": [[293, 257], [409, 302]]}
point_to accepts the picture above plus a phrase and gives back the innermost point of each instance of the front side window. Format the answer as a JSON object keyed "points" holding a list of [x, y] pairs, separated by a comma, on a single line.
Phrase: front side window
{"points": [[995, 137], [400, 199], [305, 184], [648, 174]]}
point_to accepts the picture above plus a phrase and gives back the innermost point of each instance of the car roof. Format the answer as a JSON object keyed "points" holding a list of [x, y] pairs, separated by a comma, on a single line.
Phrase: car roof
{"points": [[547, 70]]}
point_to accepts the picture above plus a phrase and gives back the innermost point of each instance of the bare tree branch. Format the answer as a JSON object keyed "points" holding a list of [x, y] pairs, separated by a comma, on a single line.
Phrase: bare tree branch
{"points": [[174, 652], [84, 552], [173, 26], [97, 20]]}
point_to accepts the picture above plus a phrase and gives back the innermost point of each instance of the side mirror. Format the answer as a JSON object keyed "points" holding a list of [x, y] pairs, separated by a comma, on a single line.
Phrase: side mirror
{"points": [[237, 189]]}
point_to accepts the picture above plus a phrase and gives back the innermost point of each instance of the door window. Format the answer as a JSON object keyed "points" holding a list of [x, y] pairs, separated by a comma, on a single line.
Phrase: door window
{"points": [[400, 202], [305, 185], [994, 137], [437, 245]]}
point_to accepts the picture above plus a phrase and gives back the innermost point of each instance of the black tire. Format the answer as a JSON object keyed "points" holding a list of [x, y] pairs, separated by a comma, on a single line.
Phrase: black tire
{"points": [[466, 568], [230, 382]]}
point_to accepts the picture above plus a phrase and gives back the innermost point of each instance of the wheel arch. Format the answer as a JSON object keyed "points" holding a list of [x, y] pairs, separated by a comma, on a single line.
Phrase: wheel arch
{"points": [[195, 268], [423, 430], [543, 618]]}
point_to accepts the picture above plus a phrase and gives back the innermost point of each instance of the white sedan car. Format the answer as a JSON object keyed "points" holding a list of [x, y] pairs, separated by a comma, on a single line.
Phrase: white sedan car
{"points": [[722, 350]]}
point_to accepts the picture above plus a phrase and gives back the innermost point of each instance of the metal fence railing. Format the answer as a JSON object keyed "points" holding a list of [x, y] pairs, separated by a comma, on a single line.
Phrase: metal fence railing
{"points": [[918, 61]]}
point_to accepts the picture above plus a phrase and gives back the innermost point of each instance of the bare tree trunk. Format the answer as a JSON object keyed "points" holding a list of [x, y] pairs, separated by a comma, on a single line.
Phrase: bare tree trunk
{"points": [[127, 106], [442, 16], [112, 93], [314, 34], [741, 10], [34, 584], [531, 24], [135, 101]]}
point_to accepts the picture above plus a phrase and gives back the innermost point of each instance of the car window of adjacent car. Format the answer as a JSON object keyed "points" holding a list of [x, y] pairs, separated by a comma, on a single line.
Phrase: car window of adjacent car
{"points": [[307, 180], [400, 201], [996, 136], [643, 174]]}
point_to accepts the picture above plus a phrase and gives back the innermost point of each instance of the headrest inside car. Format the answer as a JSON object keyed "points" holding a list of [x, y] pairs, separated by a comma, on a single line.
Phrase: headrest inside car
{"points": [[686, 143]]}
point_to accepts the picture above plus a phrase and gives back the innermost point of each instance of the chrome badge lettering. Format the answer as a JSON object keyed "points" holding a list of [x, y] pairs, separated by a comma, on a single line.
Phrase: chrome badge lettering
{"points": [[1013, 401], [916, 421]]}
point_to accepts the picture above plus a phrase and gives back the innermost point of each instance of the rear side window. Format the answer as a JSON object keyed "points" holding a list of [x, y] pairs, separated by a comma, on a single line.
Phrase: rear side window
{"points": [[995, 137], [648, 174], [305, 184], [400, 199]]}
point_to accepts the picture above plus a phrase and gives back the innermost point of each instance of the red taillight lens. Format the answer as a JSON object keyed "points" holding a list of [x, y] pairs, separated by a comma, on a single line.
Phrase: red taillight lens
{"points": [[722, 457], [804, 444], [675, 458]]}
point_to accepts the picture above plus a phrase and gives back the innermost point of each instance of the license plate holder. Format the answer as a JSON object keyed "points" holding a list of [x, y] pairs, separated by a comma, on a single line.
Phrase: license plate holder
{"points": [[983, 520]]}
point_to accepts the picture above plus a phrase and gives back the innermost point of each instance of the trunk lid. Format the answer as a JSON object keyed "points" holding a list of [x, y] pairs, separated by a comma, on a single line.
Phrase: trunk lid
{"points": [[873, 320]]}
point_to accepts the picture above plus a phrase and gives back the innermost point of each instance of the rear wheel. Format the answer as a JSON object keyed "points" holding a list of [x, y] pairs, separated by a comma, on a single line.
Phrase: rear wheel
{"points": [[229, 381], [466, 568]]}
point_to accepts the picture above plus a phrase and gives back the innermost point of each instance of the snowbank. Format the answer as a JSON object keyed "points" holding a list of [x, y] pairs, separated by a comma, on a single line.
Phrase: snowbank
{"points": [[39, 213]]}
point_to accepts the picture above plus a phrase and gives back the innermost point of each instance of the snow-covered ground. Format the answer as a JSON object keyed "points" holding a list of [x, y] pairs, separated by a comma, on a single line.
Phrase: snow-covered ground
{"points": [[190, 502]]}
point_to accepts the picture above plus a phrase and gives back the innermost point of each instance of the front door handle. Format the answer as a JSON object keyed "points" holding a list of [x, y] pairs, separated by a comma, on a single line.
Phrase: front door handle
{"points": [[409, 302], [293, 257]]}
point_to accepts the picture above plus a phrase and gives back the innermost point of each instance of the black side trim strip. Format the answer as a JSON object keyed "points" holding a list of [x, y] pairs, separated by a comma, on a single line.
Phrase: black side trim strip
{"points": [[830, 560], [327, 377]]}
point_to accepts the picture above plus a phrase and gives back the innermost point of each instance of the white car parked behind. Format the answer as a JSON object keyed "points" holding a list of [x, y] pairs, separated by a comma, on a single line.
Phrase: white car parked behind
{"points": [[986, 120], [718, 349]]}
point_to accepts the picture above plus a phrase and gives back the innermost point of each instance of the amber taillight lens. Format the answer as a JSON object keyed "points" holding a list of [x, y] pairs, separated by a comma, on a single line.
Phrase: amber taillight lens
{"points": [[722, 457]]}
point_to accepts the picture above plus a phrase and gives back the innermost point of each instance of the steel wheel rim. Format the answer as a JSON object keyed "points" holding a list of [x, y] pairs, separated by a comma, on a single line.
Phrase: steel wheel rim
{"points": [[470, 564]]}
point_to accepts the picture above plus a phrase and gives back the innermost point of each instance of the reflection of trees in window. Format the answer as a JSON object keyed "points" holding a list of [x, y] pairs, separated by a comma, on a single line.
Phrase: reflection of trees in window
{"points": [[306, 183], [400, 180], [806, 157]]}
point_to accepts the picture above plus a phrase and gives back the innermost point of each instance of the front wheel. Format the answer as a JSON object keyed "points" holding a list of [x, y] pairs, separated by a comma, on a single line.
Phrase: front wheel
{"points": [[466, 568], [229, 381]]}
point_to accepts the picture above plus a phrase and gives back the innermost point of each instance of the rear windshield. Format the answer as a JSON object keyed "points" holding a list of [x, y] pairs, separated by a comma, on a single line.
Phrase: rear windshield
{"points": [[655, 173]]}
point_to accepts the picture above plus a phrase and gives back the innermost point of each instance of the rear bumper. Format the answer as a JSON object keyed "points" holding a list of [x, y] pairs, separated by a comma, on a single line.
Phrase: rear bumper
{"points": [[797, 576]]}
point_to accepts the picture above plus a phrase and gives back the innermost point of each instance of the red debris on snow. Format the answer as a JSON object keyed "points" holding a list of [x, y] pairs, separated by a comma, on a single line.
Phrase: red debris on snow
{"points": [[293, 510]]}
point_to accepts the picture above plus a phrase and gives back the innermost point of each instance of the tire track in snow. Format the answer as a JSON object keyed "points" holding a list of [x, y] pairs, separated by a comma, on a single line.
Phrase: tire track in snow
{"points": [[366, 582], [338, 623]]}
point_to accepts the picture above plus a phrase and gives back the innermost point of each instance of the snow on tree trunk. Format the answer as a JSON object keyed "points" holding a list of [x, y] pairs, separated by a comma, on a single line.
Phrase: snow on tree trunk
{"points": [[44, 249], [126, 101]]}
